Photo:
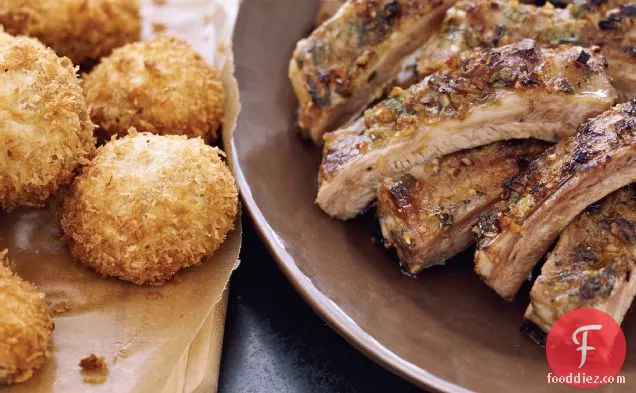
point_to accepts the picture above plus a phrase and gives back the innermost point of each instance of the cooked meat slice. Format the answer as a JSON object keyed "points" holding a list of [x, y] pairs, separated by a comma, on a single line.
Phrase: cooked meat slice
{"points": [[327, 9], [562, 182], [618, 42], [347, 62], [512, 92], [429, 212], [492, 23], [592, 264]]}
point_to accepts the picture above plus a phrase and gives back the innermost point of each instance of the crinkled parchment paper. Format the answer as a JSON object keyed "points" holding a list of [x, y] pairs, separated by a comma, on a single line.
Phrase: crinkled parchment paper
{"points": [[141, 331]]}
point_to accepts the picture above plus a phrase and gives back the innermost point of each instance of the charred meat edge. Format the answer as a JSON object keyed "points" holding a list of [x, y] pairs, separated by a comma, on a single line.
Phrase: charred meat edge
{"points": [[599, 159], [513, 92], [608, 27], [428, 214], [347, 62], [592, 264]]}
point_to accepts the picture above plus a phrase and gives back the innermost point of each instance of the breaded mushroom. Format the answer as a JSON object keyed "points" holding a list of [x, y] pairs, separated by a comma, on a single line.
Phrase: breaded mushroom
{"points": [[149, 205], [45, 129], [162, 86], [82, 30], [25, 327]]}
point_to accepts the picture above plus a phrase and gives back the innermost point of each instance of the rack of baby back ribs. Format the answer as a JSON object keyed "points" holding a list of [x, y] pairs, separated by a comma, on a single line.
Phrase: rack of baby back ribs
{"points": [[506, 125]]}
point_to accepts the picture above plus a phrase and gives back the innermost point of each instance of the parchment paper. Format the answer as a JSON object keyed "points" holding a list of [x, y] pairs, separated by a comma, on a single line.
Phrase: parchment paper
{"points": [[141, 331]]}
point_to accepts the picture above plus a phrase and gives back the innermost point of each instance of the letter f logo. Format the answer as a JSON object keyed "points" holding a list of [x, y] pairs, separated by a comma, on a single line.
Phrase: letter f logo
{"points": [[572, 331], [583, 344]]}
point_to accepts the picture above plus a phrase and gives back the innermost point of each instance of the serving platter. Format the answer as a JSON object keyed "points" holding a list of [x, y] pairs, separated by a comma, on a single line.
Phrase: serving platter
{"points": [[444, 330]]}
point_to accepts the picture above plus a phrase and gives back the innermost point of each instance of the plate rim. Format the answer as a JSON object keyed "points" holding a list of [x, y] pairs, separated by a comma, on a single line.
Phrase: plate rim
{"points": [[326, 308]]}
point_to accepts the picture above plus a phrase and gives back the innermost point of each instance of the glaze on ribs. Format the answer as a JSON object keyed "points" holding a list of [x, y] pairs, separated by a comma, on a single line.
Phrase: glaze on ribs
{"points": [[512, 92], [492, 23], [592, 264], [599, 159], [618, 43], [347, 62], [428, 213]]}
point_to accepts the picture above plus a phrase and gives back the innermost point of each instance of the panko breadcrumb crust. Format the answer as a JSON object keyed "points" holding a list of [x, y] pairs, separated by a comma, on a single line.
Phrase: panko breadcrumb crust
{"points": [[25, 327], [162, 86], [45, 129], [79, 29], [148, 206]]}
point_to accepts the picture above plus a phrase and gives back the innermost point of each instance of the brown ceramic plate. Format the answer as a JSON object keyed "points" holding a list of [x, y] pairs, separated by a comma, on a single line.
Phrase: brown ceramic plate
{"points": [[444, 330]]}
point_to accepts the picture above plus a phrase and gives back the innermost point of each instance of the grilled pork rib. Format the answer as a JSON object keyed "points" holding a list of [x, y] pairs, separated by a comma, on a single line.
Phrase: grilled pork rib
{"points": [[428, 213], [407, 75], [491, 23], [346, 62], [618, 42], [512, 92], [592, 265], [562, 182]]}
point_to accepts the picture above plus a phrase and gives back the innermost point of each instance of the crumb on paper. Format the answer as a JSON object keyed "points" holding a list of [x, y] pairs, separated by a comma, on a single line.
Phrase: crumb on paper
{"points": [[121, 354], [222, 48], [93, 363], [160, 2], [94, 369], [159, 27], [61, 307], [154, 295], [123, 351]]}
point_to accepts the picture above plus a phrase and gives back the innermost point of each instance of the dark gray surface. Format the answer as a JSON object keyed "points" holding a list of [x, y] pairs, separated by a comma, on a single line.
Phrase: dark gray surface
{"points": [[275, 343]]}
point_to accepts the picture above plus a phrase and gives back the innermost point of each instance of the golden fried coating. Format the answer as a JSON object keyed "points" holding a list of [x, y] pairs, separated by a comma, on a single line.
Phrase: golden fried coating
{"points": [[149, 205], [25, 327], [79, 29], [162, 86], [45, 129]]}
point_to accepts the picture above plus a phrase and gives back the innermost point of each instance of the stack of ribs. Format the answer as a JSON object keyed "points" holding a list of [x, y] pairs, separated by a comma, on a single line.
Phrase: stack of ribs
{"points": [[591, 265], [489, 121]]}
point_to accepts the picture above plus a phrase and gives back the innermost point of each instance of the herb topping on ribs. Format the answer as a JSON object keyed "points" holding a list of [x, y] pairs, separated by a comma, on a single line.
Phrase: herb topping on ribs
{"points": [[599, 159], [492, 23], [512, 92], [592, 264], [347, 62], [428, 213]]}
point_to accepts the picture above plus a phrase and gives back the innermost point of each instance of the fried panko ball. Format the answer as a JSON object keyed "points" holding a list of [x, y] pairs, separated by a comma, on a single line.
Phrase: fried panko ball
{"points": [[79, 29], [149, 205], [162, 86], [25, 327], [45, 129]]}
